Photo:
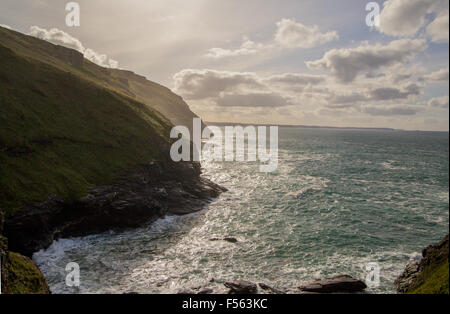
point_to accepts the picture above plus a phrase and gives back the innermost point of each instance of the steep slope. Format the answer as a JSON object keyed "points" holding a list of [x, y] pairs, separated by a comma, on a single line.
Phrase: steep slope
{"points": [[156, 96], [59, 133], [430, 275], [53, 102], [125, 82]]}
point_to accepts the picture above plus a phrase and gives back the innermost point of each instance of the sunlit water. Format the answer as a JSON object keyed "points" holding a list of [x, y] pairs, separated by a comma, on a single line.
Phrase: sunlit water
{"points": [[339, 200]]}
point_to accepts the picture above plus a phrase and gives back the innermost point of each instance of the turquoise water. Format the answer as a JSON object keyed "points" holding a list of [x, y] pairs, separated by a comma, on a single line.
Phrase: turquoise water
{"points": [[339, 200]]}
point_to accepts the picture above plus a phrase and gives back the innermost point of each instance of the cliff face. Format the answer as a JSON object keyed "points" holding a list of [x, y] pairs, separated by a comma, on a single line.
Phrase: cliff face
{"points": [[83, 149], [430, 275], [132, 199], [156, 96]]}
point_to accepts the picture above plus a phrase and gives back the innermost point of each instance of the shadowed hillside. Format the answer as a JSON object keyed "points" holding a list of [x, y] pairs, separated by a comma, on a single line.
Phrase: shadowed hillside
{"points": [[66, 123]]}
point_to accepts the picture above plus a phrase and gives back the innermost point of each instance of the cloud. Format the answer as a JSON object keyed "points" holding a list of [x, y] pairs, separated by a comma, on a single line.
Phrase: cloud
{"points": [[392, 93], [247, 48], [377, 94], [59, 37], [252, 100], [289, 34], [345, 99], [295, 79], [297, 35], [407, 17], [390, 111], [201, 84], [441, 75], [347, 64], [438, 29], [440, 102], [232, 87]]}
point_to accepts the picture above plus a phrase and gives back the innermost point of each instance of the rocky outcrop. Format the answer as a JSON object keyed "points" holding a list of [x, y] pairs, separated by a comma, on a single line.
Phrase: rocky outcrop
{"points": [[226, 239], [241, 287], [19, 274], [337, 284], [140, 196], [430, 274], [266, 289]]}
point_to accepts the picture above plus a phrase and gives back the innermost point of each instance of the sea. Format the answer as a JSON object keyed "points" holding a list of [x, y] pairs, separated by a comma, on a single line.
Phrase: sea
{"points": [[340, 201]]}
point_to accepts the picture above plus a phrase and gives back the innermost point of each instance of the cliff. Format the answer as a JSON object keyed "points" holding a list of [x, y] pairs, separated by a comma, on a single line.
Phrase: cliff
{"points": [[83, 149], [430, 275]]}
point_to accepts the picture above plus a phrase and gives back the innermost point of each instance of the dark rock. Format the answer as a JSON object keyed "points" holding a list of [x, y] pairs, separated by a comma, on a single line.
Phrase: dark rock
{"points": [[342, 283], [131, 292], [135, 198], [270, 290], [241, 287], [227, 239], [19, 274], [206, 291], [185, 291], [231, 240]]}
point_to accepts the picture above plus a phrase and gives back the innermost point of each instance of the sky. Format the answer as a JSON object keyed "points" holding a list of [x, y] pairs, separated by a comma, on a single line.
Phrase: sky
{"points": [[305, 62]]}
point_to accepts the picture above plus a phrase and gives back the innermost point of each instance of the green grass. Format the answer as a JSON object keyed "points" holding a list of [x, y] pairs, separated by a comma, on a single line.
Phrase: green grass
{"points": [[434, 280], [62, 131], [23, 276]]}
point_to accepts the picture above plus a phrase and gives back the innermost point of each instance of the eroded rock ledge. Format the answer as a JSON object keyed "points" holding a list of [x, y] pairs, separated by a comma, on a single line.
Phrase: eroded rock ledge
{"points": [[136, 197], [430, 274]]}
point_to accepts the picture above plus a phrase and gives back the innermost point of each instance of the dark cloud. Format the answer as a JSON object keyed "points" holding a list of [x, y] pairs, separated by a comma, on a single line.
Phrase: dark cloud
{"points": [[347, 64], [253, 100]]}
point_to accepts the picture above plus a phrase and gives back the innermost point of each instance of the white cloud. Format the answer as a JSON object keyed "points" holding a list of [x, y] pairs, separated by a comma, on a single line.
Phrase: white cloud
{"points": [[201, 84], [211, 84], [347, 64], [440, 102], [441, 75], [407, 17], [438, 29], [252, 100], [247, 48], [242, 89], [297, 35], [289, 34], [295, 79], [59, 37]]}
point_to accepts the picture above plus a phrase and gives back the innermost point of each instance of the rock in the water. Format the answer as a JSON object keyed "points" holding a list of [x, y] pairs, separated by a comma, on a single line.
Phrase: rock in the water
{"points": [[185, 291], [241, 287], [227, 239], [270, 290], [342, 283], [230, 239]]}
